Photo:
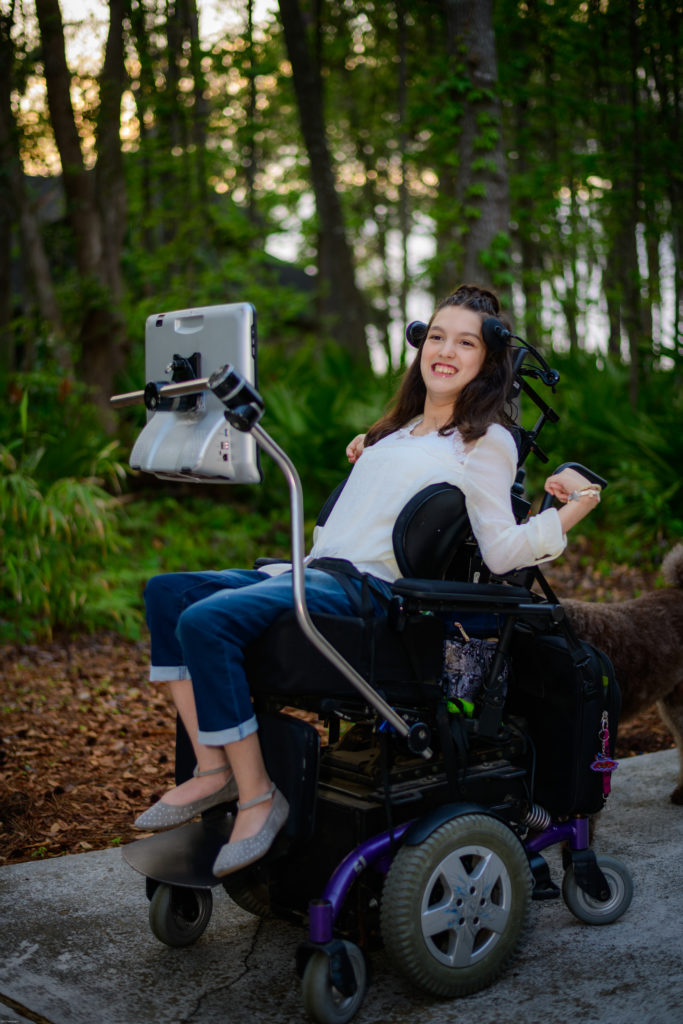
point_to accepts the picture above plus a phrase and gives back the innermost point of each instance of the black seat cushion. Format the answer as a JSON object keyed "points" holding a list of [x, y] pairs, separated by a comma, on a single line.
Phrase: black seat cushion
{"points": [[284, 661]]}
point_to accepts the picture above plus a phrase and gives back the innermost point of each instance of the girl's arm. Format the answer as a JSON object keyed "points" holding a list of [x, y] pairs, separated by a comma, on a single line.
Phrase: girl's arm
{"points": [[490, 471]]}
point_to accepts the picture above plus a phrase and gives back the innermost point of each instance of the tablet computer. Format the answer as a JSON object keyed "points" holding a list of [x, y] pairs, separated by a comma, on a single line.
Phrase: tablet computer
{"points": [[189, 438]]}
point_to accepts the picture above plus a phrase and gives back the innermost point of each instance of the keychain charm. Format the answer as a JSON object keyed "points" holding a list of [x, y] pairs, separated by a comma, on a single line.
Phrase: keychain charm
{"points": [[603, 762]]}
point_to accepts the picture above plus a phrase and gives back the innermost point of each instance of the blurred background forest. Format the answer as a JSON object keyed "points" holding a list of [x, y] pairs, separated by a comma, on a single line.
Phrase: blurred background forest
{"points": [[339, 164]]}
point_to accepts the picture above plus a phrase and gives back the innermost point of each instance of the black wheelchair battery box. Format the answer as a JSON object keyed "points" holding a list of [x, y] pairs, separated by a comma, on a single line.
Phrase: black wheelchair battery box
{"points": [[561, 691]]}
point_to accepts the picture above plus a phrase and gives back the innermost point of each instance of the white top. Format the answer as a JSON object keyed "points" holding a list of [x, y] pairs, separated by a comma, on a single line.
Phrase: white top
{"points": [[391, 471]]}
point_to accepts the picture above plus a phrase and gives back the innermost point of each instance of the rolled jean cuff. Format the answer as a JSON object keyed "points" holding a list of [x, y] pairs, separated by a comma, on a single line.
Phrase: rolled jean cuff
{"points": [[168, 673], [231, 735]]}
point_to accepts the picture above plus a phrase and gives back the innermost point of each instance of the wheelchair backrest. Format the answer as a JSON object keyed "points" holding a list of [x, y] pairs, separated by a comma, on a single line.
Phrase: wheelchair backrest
{"points": [[433, 539], [430, 533]]}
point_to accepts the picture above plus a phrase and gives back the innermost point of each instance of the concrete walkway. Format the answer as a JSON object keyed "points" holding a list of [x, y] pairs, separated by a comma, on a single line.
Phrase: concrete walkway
{"points": [[76, 948]]}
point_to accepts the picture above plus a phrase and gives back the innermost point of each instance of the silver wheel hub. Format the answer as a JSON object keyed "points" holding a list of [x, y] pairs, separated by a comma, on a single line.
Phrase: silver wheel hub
{"points": [[465, 906]]}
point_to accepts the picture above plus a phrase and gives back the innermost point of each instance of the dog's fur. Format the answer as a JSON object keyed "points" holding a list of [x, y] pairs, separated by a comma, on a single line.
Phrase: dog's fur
{"points": [[643, 638]]}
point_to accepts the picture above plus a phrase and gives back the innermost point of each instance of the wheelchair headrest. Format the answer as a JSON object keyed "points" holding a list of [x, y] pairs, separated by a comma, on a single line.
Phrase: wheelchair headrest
{"points": [[495, 335], [429, 531]]}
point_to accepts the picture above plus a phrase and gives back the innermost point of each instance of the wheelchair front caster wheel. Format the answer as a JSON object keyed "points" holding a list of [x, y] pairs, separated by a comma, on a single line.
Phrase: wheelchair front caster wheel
{"points": [[323, 1002], [590, 910], [179, 915]]}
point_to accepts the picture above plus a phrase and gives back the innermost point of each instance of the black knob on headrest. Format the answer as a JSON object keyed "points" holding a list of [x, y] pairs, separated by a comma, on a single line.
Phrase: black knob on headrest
{"points": [[495, 335], [416, 332]]}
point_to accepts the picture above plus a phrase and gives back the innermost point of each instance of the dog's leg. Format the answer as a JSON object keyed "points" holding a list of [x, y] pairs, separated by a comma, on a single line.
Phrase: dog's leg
{"points": [[671, 710]]}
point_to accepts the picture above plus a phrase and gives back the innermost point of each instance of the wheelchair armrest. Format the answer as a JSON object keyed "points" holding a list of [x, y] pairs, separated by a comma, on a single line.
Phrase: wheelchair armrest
{"points": [[461, 593], [447, 595]]}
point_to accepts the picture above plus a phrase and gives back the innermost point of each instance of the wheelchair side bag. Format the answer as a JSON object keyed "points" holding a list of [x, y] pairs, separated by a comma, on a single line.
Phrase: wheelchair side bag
{"points": [[561, 691]]}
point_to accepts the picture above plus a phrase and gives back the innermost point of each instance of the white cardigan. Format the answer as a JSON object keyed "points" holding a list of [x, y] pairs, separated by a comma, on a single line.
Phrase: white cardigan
{"points": [[391, 471]]}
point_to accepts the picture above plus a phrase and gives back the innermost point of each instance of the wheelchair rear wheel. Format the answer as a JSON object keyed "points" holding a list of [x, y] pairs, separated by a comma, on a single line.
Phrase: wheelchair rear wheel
{"points": [[248, 893], [454, 907]]}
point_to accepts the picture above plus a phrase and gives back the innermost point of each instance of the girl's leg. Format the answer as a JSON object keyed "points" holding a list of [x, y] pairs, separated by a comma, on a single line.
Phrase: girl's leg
{"points": [[209, 779], [166, 597], [214, 634], [252, 781]]}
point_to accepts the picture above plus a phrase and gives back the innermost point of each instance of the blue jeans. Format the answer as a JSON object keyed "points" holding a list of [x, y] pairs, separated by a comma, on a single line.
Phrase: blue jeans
{"points": [[200, 624]]}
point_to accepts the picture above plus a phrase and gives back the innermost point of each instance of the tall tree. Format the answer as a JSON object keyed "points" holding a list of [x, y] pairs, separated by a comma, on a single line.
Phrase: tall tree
{"points": [[341, 301], [110, 181], [102, 334], [476, 232], [16, 206]]}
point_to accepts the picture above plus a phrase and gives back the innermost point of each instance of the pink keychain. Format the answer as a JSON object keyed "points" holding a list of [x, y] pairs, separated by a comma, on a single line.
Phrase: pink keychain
{"points": [[603, 762]]}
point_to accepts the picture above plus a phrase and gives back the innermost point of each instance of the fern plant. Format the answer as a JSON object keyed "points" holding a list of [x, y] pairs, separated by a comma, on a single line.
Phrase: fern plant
{"points": [[58, 524], [56, 538]]}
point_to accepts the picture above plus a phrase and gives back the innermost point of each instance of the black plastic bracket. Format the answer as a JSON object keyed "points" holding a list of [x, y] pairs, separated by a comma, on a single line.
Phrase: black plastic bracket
{"points": [[342, 974], [544, 887], [587, 873]]}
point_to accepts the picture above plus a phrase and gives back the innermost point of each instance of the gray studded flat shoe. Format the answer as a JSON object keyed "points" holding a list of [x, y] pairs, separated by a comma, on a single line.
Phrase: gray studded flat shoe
{"points": [[242, 852], [162, 815]]}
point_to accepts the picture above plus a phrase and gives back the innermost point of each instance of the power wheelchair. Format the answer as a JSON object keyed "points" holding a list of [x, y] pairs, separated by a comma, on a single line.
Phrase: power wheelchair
{"points": [[415, 822]]}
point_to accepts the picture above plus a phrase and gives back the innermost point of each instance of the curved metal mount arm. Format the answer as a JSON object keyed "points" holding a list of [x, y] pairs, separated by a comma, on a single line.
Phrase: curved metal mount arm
{"points": [[319, 641]]}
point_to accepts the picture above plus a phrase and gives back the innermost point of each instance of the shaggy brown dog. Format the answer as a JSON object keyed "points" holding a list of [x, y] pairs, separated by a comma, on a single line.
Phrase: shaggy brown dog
{"points": [[643, 638]]}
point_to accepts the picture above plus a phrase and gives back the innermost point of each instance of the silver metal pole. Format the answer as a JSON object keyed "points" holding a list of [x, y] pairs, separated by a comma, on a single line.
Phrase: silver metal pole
{"points": [[299, 588], [170, 390]]}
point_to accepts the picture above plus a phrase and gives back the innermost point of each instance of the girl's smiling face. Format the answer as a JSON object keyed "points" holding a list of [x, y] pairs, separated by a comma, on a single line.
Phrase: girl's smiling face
{"points": [[453, 352]]}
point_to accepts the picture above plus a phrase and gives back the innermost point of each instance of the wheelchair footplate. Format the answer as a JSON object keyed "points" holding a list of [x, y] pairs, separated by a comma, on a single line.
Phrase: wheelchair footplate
{"points": [[182, 856]]}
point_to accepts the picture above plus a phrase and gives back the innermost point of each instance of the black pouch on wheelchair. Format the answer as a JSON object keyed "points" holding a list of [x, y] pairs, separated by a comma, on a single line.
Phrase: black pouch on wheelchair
{"points": [[562, 690], [467, 664]]}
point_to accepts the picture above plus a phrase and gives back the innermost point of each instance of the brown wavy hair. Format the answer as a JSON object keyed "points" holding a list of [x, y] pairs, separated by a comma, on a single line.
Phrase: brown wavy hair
{"points": [[481, 402]]}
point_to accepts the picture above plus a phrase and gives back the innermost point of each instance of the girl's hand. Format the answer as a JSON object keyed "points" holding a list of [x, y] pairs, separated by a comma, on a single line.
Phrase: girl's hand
{"points": [[355, 449], [562, 485]]}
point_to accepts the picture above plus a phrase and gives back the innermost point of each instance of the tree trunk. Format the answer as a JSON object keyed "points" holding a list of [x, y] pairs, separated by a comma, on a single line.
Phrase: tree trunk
{"points": [[341, 301], [78, 184], [101, 336], [200, 111], [481, 212], [17, 209], [7, 213], [403, 201], [147, 235], [110, 182]]}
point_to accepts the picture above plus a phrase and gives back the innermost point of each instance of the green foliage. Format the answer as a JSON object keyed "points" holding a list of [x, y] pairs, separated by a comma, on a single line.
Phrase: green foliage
{"points": [[639, 452], [58, 524], [77, 556], [317, 400], [56, 537], [54, 429], [187, 528]]}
